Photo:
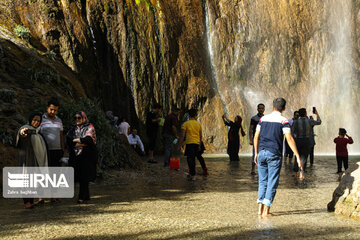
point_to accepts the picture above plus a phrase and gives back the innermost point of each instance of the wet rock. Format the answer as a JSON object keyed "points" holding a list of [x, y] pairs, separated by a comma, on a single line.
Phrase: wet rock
{"points": [[346, 197]]}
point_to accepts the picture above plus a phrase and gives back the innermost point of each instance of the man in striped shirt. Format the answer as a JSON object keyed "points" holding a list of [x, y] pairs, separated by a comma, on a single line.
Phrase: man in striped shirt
{"points": [[51, 128], [268, 144]]}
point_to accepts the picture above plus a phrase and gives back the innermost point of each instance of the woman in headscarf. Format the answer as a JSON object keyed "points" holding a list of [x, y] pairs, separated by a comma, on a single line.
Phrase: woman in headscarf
{"points": [[81, 141], [32, 149], [233, 137]]}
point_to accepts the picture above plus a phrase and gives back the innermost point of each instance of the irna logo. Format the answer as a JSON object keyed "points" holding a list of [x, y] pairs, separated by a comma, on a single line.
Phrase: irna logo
{"points": [[35, 180]]}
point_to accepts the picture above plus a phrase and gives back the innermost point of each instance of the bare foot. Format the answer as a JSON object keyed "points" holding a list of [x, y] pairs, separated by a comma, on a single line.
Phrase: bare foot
{"points": [[266, 212], [269, 215], [261, 209], [302, 177]]}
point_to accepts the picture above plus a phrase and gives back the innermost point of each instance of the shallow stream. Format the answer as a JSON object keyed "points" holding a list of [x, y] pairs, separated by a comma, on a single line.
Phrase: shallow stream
{"points": [[162, 204]]}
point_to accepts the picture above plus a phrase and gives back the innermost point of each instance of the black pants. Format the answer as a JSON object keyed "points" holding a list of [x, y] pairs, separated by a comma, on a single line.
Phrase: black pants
{"points": [[288, 152], [303, 146], [54, 158], [137, 149], [152, 137], [201, 160], [84, 193], [312, 155], [233, 150], [341, 160], [191, 151]]}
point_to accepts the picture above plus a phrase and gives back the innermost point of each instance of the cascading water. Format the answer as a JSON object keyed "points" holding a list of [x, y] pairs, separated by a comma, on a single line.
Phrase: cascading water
{"points": [[260, 50], [332, 77], [93, 40], [210, 49], [159, 56], [133, 81], [130, 64]]}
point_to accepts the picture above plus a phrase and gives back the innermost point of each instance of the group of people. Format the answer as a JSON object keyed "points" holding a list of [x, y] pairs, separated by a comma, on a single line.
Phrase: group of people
{"points": [[301, 129], [41, 143], [189, 138], [299, 139], [123, 128]]}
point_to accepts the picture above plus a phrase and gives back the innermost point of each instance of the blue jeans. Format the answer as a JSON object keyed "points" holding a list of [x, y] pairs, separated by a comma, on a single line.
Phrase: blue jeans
{"points": [[168, 147], [269, 166]]}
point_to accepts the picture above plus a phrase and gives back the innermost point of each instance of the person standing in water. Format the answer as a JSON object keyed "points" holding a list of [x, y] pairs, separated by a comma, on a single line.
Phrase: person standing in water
{"points": [[191, 134], [288, 152], [152, 128], [312, 135], [233, 137], [341, 149], [252, 129], [268, 145]]}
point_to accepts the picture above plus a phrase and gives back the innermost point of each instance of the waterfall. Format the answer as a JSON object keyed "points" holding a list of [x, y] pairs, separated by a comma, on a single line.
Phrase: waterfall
{"points": [[131, 67], [88, 19], [160, 57], [131, 43], [211, 55], [133, 80], [332, 76], [93, 39]]}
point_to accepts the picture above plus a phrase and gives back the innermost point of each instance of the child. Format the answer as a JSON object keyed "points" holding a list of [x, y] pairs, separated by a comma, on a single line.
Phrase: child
{"points": [[341, 149]]}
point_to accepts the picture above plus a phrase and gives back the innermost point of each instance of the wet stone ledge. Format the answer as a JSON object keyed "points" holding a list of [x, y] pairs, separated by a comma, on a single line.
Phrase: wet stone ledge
{"points": [[346, 197]]}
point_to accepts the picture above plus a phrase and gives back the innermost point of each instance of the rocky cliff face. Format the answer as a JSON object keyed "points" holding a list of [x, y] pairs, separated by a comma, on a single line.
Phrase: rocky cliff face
{"points": [[304, 51], [346, 197], [129, 54], [217, 55]]}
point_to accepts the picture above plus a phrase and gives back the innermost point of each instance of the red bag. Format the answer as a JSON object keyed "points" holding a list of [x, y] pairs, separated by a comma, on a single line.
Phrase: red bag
{"points": [[175, 163]]}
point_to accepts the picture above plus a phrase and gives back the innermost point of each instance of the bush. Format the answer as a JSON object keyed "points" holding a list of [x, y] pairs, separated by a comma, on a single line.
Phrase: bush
{"points": [[22, 32], [7, 95], [44, 75], [50, 54], [7, 138], [107, 7], [111, 147], [145, 3]]}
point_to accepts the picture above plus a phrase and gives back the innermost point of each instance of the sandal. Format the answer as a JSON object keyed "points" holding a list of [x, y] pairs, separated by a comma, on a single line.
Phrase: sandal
{"points": [[55, 200], [40, 203], [80, 201]]}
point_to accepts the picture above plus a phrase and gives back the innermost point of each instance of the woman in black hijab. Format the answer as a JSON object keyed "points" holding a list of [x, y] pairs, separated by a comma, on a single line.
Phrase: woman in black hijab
{"points": [[233, 137]]}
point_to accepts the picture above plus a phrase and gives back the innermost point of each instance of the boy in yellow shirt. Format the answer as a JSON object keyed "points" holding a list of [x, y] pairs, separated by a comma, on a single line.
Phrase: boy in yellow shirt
{"points": [[191, 132]]}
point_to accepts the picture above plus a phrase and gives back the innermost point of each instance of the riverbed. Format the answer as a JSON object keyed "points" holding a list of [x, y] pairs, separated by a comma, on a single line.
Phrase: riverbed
{"points": [[160, 203]]}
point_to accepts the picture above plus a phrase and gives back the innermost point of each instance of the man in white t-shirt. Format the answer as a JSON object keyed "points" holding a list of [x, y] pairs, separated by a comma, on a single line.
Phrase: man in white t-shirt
{"points": [[124, 127]]}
